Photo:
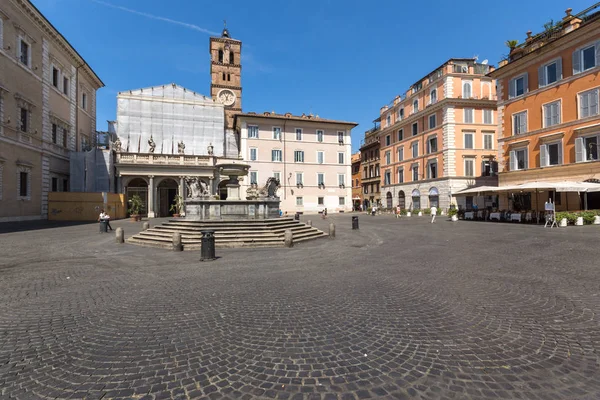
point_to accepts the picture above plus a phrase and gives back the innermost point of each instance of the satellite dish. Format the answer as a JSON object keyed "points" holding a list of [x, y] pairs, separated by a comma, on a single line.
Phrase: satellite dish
{"points": [[484, 62]]}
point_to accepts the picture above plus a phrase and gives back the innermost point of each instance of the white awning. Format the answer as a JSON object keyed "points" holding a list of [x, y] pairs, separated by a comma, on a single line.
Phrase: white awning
{"points": [[564, 186]]}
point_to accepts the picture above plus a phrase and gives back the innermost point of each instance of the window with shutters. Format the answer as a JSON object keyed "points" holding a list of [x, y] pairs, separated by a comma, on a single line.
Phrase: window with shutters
{"points": [[551, 154], [586, 58], [388, 140], [432, 144], [298, 133], [488, 141], [320, 157], [415, 106], [277, 133], [299, 178], [388, 120], [469, 142], [488, 117], [467, 89], [432, 122], [469, 115], [298, 156], [415, 129], [387, 178], [276, 155], [469, 167], [433, 96], [388, 157], [253, 154], [518, 159], [415, 173], [432, 169], [415, 149], [552, 114], [550, 73], [253, 177], [586, 148], [320, 178], [400, 175], [519, 123], [518, 86], [341, 180], [299, 201], [319, 136], [340, 158], [54, 134], [400, 134], [401, 114], [253, 131], [401, 153], [588, 103], [342, 201], [277, 175]]}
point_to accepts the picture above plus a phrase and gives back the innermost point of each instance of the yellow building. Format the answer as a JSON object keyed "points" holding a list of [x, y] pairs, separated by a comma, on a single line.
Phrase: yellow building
{"points": [[47, 110]]}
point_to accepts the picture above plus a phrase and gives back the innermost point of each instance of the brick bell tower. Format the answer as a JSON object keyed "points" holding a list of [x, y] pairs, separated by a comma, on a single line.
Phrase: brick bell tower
{"points": [[226, 75]]}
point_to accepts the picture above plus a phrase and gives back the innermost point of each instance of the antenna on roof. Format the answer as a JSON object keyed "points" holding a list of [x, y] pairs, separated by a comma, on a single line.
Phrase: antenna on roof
{"points": [[484, 62]]}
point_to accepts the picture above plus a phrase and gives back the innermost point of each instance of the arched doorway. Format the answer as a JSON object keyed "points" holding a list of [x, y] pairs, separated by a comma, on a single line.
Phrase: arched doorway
{"points": [[416, 199], [402, 200], [388, 198], [223, 189], [166, 191], [138, 186], [434, 197]]}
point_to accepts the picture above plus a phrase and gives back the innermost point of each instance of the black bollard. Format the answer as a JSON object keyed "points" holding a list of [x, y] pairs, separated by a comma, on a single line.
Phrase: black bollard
{"points": [[207, 252], [355, 222], [297, 217], [103, 226]]}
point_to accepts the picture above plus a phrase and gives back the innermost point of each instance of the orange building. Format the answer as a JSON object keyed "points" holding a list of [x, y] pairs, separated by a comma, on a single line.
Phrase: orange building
{"points": [[548, 110], [371, 177], [439, 138], [357, 197]]}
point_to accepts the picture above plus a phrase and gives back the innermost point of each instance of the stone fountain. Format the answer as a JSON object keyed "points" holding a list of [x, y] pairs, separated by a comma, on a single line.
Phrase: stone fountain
{"points": [[260, 203]]}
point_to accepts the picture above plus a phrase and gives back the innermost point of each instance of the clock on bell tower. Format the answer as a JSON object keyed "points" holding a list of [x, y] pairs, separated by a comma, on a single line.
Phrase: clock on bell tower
{"points": [[225, 71]]}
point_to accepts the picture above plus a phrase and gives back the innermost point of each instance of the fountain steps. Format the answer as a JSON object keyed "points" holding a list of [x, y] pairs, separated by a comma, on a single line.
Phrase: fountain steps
{"points": [[246, 233]]}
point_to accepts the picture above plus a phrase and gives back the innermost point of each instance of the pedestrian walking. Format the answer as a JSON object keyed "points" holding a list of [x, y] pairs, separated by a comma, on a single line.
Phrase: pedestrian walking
{"points": [[398, 211], [433, 213], [324, 214]]}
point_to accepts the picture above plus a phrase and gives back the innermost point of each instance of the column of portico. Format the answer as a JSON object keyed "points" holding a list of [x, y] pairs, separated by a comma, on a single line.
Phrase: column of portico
{"points": [[182, 192], [211, 185], [151, 213]]}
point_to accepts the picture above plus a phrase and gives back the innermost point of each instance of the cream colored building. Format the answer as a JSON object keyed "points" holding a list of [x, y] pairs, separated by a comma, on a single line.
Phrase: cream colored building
{"points": [[310, 156], [47, 110]]}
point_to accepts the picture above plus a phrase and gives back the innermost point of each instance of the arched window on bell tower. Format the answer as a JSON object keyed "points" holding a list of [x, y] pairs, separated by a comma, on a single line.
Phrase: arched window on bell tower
{"points": [[231, 58], [220, 55]]}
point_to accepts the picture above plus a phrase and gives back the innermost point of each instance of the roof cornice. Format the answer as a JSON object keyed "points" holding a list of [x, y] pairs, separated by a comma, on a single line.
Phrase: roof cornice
{"points": [[37, 17]]}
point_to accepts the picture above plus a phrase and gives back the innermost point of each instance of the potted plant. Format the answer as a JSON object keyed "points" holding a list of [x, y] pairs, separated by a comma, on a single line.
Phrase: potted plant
{"points": [[512, 44], [453, 214], [177, 206], [135, 206]]}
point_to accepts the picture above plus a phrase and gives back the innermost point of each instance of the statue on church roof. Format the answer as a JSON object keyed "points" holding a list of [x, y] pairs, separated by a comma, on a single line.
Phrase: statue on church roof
{"points": [[117, 145], [151, 144], [181, 147], [210, 149]]}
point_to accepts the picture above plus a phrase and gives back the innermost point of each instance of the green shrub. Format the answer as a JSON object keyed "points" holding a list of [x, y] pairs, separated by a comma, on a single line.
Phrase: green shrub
{"points": [[452, 212], [427, 211], [415, 211], [588, 217]]}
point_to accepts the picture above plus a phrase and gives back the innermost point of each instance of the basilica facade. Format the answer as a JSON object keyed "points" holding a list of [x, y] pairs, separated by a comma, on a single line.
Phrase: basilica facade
{"points": [[168, 135]]}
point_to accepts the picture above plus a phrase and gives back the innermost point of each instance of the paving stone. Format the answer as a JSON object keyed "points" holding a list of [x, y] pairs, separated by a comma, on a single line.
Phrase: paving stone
{"points": [[400, 309]]}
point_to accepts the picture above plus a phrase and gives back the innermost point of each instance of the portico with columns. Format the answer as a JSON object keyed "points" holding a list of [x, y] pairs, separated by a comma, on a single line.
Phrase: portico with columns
{"points": [[157, 179]]}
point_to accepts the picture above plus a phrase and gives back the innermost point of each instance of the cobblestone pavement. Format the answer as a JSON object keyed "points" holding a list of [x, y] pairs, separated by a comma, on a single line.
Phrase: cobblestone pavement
{"points": [[399, 309]]}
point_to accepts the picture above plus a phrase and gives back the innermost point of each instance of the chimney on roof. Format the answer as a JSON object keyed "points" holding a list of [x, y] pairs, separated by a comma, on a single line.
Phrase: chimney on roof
{"points": [[570, 22], [528, 36], [568, 12]]}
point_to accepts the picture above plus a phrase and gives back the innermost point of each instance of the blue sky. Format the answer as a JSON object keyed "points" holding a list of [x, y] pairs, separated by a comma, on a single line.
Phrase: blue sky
{"points": [[340, 59]]}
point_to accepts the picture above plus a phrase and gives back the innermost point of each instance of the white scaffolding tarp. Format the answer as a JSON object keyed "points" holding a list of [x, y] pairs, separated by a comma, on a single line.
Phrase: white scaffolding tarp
{"points": [[170, 114]]}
